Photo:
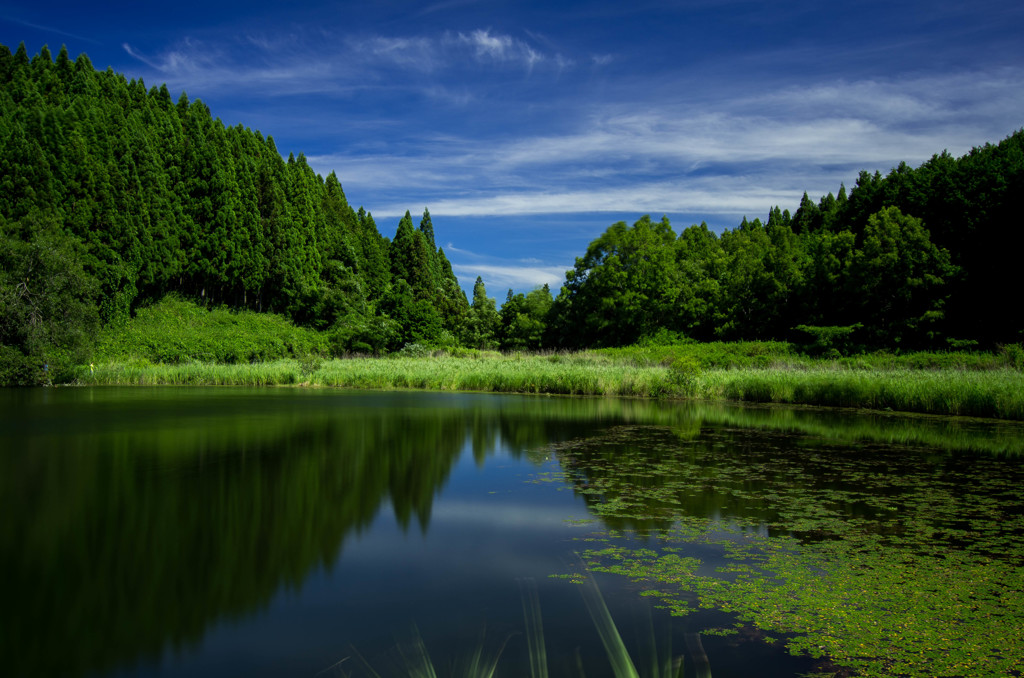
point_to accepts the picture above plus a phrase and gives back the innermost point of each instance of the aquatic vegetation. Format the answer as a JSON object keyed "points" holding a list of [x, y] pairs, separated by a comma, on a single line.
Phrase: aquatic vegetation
{"points": [[415, 660], [887, 562]]}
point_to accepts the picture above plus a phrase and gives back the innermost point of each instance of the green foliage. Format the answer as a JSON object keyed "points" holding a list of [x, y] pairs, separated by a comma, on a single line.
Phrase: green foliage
{"points": [[664, 337], [482, 320], [906, 256], [146, 197], [707, 355], [524, 320], [910, 572], [176, 331], [683, 374], [142, 196], [945, 384], [47, 303], [623, 288], [899, 276], [832, 341], [1014, 354]]}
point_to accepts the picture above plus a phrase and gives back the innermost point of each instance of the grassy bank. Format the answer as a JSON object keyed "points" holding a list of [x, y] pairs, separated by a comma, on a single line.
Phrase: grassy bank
{"points": [[177, 342], [995, 392], [555, 374]]}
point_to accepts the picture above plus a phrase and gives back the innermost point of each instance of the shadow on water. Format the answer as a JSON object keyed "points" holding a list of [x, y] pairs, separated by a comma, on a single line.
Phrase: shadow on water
{"points": [[131, 520]]}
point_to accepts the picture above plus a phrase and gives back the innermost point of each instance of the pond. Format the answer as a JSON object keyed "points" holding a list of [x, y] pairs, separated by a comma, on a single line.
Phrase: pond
{"points": [[296, 532]]}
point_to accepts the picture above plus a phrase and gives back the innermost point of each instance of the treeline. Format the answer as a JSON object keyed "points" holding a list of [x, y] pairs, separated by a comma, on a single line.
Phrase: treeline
{"points": [[113, 195], [921, 258]]}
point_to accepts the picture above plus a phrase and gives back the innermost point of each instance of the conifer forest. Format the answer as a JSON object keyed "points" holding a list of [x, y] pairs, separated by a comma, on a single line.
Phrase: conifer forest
{"points": [[115, 196]]}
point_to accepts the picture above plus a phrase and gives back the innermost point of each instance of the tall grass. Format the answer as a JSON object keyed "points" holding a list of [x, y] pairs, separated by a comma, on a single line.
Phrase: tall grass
{"points": [[415, 661], [995, 392], [535, 374]]}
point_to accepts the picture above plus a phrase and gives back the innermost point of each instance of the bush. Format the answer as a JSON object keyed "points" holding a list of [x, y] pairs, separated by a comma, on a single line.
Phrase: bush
{"points": [[831, 341], [1014, 355], [413, 350], [175, 331], [683, 373]]}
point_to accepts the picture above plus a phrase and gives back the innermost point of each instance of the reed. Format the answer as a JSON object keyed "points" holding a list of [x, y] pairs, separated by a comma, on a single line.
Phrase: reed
{"points": [[997, 392], [415, 660]]}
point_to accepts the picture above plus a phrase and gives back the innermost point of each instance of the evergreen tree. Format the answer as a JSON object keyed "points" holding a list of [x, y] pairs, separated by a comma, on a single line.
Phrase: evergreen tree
{"points": [[427, 229], [483, 321], [900, 277]]}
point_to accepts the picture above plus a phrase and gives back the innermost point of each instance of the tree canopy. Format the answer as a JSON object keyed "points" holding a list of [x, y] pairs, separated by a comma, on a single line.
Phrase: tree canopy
{"points": [[114, 195], [132, 196]]}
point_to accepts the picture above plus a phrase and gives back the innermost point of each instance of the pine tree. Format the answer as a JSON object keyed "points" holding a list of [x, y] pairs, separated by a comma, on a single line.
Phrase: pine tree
{"points": [[427, 229]]}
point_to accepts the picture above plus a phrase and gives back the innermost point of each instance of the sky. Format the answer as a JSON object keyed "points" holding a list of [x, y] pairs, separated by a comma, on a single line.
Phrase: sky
{"points": [[527, 128]]}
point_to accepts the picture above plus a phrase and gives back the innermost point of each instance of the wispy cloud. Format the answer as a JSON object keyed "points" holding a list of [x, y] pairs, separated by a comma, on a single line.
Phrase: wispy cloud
{"points": [[503, 277], [323, 61], [740, 156], [504, 48], [711, 195], [48, 29], [204, 67], [416, 53]]}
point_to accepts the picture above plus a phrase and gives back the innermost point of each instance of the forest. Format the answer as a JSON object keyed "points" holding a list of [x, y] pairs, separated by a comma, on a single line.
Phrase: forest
{"points": [[115, 197]]}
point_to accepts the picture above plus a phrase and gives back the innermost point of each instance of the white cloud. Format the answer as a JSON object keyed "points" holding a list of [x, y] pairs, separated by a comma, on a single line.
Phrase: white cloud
{"points": [[713, 195], [316, 61], [663, 150], [502, 277], [739, 156], [499, 48], [201, 67], [503, 515], [417, 53]]}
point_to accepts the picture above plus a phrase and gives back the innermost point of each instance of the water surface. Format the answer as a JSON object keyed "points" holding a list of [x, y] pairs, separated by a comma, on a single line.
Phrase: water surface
{"points": [[281, 532]]}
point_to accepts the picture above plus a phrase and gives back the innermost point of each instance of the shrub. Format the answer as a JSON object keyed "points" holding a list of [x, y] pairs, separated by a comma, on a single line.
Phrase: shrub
{"points": [[1014, 355], [683, 373]]}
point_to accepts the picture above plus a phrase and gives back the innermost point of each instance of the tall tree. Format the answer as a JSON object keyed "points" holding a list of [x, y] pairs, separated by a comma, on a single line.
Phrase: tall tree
{"points": [[900, 277], [483, 322], [625, 287]]}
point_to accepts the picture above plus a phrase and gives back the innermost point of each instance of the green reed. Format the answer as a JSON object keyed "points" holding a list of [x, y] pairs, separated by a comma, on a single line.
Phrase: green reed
{"points": [[994, 393], [997, 392], [415, 661]]}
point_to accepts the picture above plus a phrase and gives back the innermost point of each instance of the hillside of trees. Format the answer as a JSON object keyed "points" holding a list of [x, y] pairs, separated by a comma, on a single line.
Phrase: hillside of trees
{"points": [[114, 195], [921, 258]]}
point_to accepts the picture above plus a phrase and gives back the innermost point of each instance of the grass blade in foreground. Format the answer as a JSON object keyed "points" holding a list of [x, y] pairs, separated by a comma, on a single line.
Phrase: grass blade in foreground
{"points": [[534, 629]]}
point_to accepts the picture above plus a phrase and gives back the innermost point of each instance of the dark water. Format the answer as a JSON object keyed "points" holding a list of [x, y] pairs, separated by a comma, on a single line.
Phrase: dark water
{"points": [[237, 532]]}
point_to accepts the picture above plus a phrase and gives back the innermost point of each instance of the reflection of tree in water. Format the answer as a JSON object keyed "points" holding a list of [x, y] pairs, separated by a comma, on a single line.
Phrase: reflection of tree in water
{"points": [[129, 527], [646, 478], [114, 555], [878, 555]]}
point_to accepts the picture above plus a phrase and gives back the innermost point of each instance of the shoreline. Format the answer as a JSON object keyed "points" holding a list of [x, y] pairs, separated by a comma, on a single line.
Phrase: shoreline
{"points": [[990, 394]]}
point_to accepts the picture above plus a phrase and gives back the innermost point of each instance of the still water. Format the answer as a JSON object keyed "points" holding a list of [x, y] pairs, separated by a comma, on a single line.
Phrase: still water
{"points": [[288, 532]]}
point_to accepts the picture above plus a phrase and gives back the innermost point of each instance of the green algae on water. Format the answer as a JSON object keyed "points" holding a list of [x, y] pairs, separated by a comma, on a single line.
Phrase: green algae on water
{"points": [[885, 560]]}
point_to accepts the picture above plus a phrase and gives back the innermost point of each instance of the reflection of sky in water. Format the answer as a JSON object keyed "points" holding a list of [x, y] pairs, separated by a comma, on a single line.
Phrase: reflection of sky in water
{"points": [[488, 527], [260, 472]]}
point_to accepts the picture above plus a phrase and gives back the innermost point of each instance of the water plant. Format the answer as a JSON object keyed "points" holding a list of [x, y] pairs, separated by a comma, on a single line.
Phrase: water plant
{"points": [[911, 571], [415, 660]]}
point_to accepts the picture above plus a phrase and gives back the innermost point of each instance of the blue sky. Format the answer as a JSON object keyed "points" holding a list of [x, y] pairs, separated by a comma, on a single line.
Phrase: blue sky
{"points": [[527, 128]]}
